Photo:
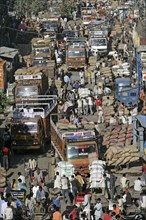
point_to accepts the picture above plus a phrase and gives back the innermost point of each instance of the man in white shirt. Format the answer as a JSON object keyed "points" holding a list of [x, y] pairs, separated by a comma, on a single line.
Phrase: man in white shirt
{"points": [[85, 106], [100, 115], [138, 185], [98, 209], [20, 176], [8, 212], [35, 189], [86, 205], [79, 102], [90, 103], [123, 181]]}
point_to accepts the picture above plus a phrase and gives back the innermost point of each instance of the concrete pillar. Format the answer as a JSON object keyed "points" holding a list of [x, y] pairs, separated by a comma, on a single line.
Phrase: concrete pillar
{"points": [[141, 139], [134, 130]]}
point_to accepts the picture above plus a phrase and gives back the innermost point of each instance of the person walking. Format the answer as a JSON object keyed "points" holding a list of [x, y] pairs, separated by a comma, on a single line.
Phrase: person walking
{"points": [[90, 103], [112, 185], [57, 179], [79, 103], [85, 106], [65, 189], [5, 157], [144, 172], [8, 212], [98, 209], [123, 181], [100, 115]]}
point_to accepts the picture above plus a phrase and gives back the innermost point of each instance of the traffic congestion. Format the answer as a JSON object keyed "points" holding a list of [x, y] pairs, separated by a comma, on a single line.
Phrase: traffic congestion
{"points": [[73, 115]]}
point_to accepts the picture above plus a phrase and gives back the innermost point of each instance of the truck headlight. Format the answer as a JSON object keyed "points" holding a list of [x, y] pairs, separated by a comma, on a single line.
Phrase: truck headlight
{"points": [[14, 142], [35, 142]]}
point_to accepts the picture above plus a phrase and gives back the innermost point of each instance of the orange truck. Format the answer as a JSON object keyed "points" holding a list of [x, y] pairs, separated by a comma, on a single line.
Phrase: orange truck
{"points": [[77, 147]]}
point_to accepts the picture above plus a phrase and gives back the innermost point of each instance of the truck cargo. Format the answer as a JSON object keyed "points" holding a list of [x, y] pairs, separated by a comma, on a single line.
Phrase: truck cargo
{"points": [[75, 145], [30, 125], [30, 81]]}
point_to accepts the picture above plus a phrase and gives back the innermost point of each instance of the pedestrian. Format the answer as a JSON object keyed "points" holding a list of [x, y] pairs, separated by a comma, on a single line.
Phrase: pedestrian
{"points": [[30, 203], [112, 185], [138, 185], [79, 103], [85, 106], [74, 186], [120, 203], [32, 164], [20, 176], [35, 189], [97, 103], [40, 195], [102, 184], [144, 172], [100, 116], [90, 103], [80, 180], [107, 215], [123, 181], [56, 201], [65, 188], [38, 176], [98, 209], [5, 157], [57, 179], [116, 210], [8, 212], [87, 204], [21, 186]]}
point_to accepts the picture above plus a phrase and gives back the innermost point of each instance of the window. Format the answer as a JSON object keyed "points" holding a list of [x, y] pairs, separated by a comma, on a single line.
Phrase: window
{"points": [[81, 151]]}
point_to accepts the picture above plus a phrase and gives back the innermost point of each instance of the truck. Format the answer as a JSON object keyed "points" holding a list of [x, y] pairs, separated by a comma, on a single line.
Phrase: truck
{"points": [[76, 56], [30, 81], [30, 124], [98, 42], [43, 47], [125, 93], [78, 146], [89, 14]]}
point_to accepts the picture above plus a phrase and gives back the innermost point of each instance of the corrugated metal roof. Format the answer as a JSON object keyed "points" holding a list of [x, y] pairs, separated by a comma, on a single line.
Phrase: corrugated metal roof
{"points": [[7, 52]]}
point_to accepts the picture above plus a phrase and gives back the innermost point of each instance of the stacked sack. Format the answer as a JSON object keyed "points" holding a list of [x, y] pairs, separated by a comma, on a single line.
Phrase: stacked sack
{"points": [[120, 136], [121, 156], [96, 173], [2, 177]]}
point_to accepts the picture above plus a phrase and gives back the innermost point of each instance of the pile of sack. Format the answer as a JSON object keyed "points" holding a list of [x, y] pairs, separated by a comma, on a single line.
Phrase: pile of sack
{"points": [[97, 169], [120, 136], [121, 156], [2, 177]]}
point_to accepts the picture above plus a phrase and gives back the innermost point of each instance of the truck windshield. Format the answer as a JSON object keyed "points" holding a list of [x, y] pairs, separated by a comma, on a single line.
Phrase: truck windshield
{"points": [[26, 91], [98, 41], [76, 53], [81, 151], [24, 128]]}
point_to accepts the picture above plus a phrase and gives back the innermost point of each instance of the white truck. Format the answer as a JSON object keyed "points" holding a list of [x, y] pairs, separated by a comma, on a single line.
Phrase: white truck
{"points": [[98, 43]]}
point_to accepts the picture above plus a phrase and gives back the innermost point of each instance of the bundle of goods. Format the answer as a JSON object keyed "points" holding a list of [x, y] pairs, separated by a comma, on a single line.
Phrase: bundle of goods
{"points": [[2, 177], [107, 72], [120, 136], [108, 111], [64, 124], [122, 69], [96, 173]]}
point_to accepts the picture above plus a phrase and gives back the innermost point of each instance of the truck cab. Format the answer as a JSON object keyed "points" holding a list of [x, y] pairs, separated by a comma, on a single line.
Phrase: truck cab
{"points": [[125, 93], [27, 133], [77, 147], [76, 53], [98, 42]]}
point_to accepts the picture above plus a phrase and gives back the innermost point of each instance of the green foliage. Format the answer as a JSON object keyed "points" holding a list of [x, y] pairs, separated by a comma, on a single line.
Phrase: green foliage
{"points": [[67, 9], [27, 7], [3, 102]]}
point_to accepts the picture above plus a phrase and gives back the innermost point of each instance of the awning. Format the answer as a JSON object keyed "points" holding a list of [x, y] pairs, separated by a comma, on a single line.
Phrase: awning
{"points": [[142, 120]]}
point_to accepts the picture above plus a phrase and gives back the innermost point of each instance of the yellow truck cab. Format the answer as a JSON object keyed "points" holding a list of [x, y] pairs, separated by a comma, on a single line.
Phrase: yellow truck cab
{"points": [[77, 147], [76, 56]]}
